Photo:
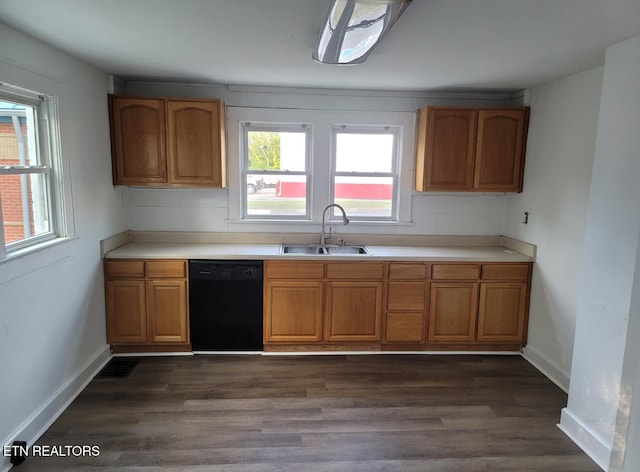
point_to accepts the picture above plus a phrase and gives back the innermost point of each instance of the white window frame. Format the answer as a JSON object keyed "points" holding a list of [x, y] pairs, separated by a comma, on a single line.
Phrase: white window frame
{"points": [[321, 123], [47, 145], [396, 131], [244, 165]]}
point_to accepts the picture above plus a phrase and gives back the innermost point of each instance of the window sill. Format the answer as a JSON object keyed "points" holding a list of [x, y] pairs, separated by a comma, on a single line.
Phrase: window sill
{"points": [[280, 222]]}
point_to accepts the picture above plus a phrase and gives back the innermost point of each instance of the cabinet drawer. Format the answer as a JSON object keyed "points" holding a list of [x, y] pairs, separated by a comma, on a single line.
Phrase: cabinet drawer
{"points": [[455, 271], [402, 271], [355, 270], [510, 272], [406, 296], [294, 270], [124, 269], [159, 269]]}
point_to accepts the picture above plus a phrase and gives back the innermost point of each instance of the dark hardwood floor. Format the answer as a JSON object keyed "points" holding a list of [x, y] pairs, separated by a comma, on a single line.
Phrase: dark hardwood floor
{"points": [[366, 413]]}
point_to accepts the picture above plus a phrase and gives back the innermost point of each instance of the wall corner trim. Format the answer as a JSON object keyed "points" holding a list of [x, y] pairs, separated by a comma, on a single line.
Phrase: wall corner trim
{"points": [[588, 440]]}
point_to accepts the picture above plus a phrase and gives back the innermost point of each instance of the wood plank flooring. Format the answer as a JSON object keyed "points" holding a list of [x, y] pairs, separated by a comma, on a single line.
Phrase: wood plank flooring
{"points": [[354, 413]]}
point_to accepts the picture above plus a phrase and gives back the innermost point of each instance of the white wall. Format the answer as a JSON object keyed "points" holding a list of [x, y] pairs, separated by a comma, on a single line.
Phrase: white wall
{"points": [[561, 142], [609, 271], [52, 320]]}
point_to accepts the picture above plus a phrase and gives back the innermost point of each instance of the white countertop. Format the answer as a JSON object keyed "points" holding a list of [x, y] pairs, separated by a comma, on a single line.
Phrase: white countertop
{"points": [[149, 250]]}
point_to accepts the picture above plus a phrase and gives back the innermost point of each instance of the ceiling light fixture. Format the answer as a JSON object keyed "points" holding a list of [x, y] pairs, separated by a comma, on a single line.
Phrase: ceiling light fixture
{"points": [[354, 27]]}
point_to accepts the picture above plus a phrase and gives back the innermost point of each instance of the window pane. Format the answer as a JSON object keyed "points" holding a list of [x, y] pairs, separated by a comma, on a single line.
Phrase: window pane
{"points": [[276, 165], [364, 152], [276, 195], [364, 196], [276, 150], [25, 211]]}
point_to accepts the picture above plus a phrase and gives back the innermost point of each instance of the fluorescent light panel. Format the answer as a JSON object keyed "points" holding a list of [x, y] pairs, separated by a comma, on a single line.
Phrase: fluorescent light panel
{"points": [[354, 27]]}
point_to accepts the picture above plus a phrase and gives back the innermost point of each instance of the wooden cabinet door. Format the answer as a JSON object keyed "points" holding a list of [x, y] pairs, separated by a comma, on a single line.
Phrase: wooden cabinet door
{"points": [[405, 327], [168, 321], [126, 311], [353, 311], [501, 312], [446, 148], [139, 141], [500, 150], [452, 311], [293, 311], [196, 143]]}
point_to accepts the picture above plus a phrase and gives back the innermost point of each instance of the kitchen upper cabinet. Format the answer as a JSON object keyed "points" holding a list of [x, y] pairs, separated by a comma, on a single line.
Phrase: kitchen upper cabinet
{"points": [[138, 141], [446, 148], [471, 149], [165, 142], [500, 150], [147, 305], [196, 143]]}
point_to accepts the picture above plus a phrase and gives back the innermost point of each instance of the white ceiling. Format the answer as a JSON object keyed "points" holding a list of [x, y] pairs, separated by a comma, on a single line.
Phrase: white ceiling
{"points": [[436, 44]]}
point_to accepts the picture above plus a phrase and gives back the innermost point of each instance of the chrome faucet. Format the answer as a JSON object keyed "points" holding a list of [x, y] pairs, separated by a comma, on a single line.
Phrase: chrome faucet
{"points": [[345, 221]]}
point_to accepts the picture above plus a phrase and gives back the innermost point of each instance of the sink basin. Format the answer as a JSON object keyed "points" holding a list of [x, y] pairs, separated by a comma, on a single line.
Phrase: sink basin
{"points": [[346, 250], [301, 249], [320, 249]]}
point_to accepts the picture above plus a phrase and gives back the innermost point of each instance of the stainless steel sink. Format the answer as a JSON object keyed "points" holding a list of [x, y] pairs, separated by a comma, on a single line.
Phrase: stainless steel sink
{"points": [[301, 249], [346, 250], [318, 249]]}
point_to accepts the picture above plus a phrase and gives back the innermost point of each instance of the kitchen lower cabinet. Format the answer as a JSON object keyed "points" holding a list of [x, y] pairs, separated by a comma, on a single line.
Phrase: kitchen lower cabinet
{"points": [[126, 311], [501, 312], [323, 305], [481, 304], [168, 311], [353, 301], [504, 301], [293, 302], [147, 305], [293, 311], [353, 311], [453, 312], [405, 303], [396, 305]]}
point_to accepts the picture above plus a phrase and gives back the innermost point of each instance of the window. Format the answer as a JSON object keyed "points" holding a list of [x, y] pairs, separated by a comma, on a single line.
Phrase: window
{"points": [[361, 160], [275, 171], [365, 171], [28, 169]]}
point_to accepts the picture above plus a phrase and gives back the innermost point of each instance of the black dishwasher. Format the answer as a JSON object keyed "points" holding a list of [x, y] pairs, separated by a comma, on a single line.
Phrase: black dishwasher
{"points": [[225, 305]]}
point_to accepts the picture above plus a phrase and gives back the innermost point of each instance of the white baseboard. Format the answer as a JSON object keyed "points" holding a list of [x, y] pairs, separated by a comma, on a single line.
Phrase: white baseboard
{"points": [[591, 443], [548, 368], [41, 419]]}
